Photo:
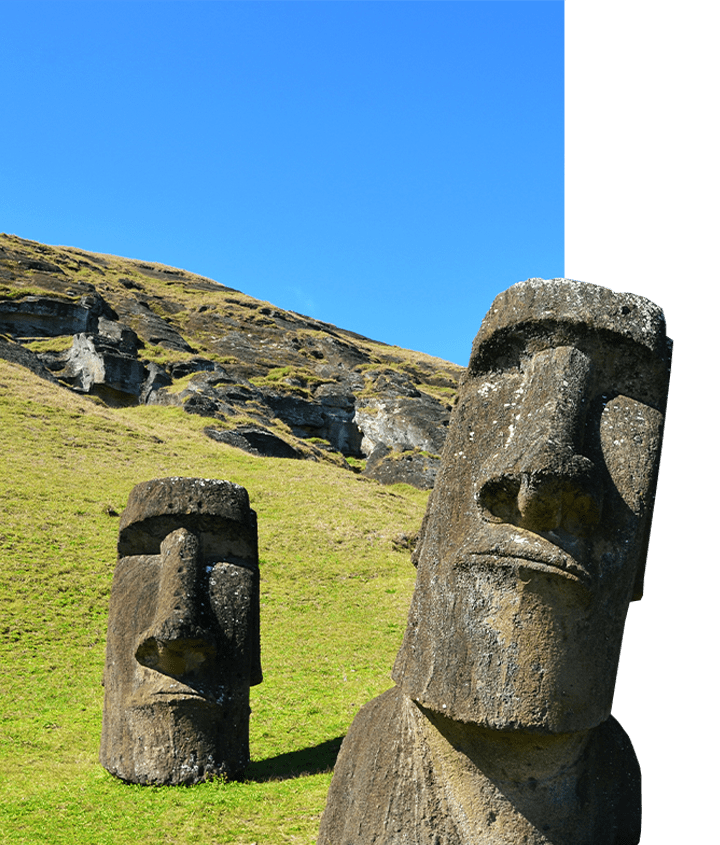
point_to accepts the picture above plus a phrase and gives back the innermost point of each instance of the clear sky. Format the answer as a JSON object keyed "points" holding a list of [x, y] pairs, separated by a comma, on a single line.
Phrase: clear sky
{"points": [[385, 166]]}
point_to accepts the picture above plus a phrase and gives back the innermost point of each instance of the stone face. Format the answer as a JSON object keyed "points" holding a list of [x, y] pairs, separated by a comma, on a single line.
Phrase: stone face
{"points": [[532, 547], [183, 645]]}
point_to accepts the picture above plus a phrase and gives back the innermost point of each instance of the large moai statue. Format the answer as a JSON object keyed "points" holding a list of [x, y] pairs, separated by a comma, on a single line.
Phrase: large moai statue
{"points": [[183, 644], [499, 729]]}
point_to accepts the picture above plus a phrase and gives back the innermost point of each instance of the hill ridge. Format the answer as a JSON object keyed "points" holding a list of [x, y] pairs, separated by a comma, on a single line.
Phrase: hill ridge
{"points": [[269, 381]]}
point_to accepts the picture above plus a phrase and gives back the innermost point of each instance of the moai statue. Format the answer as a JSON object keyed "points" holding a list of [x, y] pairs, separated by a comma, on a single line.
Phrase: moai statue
{"points": [[534, 542], [183, 644]]}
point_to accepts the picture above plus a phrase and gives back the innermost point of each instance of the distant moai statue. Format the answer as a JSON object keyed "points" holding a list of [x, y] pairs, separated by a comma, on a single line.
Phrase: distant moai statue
{"points": [[534, 542], [183, 644]]}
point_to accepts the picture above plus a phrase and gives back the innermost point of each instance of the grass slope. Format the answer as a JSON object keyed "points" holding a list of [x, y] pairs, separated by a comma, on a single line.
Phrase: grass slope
{"points": [[334, 599]]}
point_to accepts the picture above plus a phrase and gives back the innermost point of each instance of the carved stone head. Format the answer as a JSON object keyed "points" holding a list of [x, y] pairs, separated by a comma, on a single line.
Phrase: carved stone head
{"points": [[536, 532], [183, 645]]}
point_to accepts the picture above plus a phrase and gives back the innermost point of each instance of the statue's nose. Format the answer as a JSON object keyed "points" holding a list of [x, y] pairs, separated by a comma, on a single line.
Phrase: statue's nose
{"points": [[540, 480], [177, 642]]}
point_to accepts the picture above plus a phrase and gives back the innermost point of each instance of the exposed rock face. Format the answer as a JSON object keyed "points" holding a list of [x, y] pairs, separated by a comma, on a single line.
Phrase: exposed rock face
{"points": [[183, 644], [410, 466], [256, 440], [533, 545], [137, 329], [17, 354], [44, 316], [92, 363]]}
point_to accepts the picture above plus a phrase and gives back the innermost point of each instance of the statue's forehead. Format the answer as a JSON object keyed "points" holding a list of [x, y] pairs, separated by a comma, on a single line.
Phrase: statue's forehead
{"points": [[577, 307], [209, 507]]}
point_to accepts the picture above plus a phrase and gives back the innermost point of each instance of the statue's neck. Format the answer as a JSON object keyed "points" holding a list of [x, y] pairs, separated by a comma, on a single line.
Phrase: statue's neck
{"points": [[512, 786], [512, 756]]}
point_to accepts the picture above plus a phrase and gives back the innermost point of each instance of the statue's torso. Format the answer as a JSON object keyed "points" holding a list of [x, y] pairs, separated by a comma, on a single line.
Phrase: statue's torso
{"points": [[398, 780]]}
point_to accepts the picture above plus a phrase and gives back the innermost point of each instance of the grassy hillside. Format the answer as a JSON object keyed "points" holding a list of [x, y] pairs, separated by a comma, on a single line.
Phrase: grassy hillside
{"points": [[335, 593]]}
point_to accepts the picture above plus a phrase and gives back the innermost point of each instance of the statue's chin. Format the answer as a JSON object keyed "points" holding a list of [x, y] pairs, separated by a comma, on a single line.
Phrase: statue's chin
{"points": [[174, 742], [526, 650]]}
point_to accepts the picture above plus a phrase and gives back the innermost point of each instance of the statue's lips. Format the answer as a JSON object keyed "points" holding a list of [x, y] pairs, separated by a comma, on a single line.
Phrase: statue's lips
{"points": [[509, 546], [175, 696], [573, 574], [166, 690]]}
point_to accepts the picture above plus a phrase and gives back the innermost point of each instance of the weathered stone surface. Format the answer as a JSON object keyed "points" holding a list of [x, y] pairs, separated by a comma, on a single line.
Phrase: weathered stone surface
{"points": [[402, 422], [17, 354], [151, 327], [408, 775], [328, 415], [194, 365], [95, 364], [155, 378], [411, 466], [45, 316], [183, 644], [255, 440], [533, 545]]}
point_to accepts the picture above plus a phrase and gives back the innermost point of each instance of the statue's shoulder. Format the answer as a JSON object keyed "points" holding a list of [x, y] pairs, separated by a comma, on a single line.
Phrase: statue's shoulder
{"points": [[361, 764], [382, 791]]}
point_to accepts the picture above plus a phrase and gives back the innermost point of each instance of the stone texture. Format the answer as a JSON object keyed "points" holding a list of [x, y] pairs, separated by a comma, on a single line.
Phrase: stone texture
{"points": [[97, 364], [533, 545], [17, 354], [45, 316], [341, 395], [151, 327], [410, 466], [255, 440], [401, 424], [183, 645]]}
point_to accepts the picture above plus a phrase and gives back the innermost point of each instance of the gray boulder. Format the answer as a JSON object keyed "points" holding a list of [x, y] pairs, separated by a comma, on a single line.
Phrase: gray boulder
{"points": [[402, 422], [97, 366]]}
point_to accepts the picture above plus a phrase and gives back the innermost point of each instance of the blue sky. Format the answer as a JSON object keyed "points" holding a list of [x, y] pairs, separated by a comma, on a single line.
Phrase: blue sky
{"points": [[385, 166]]}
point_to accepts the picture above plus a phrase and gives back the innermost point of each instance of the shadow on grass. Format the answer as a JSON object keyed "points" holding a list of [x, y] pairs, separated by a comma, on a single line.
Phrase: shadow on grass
{"points": [[307, 761]]}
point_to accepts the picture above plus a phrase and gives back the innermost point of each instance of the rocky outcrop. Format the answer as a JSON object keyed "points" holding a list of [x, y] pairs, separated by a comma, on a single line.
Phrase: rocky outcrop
{"points": [[255, 440], [46, 316], [17, 354], [276, 383], [97, 366], [411, 466]]}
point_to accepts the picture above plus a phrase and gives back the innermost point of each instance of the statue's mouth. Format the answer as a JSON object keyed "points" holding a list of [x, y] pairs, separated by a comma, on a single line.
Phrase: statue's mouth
{"points": [[507, 545], [164, 689], [572, 573], [178, 696]]}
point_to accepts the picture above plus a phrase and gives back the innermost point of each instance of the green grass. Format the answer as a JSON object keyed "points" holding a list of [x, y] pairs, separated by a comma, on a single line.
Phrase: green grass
{"points": [[334, 599], [59, 343]]}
